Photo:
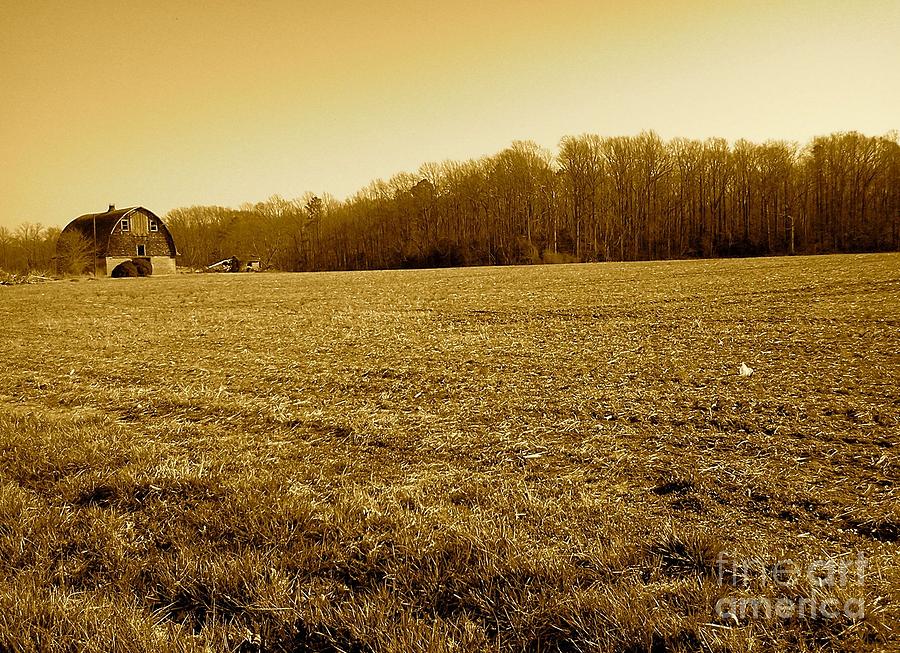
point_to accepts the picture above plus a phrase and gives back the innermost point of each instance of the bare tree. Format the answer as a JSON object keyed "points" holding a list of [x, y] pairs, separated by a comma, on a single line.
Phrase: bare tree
{"points": [[74, 254]]}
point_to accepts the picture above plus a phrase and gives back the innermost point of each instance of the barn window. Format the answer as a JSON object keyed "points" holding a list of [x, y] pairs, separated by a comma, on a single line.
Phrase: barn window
{"points": [[153, 226], [125, 224], [142, 250]]}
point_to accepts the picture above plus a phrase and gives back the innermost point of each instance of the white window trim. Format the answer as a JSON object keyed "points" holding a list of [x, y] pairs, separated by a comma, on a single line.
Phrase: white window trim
{"points": [[153, 225], [125, 225]]}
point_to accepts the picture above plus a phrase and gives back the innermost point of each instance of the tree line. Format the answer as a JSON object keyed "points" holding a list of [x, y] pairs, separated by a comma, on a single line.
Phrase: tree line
{"points": [[596, 199], [28, 247]]}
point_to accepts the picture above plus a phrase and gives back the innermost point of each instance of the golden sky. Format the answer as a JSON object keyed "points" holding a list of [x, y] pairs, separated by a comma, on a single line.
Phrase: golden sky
{"points": [[163, 104]]}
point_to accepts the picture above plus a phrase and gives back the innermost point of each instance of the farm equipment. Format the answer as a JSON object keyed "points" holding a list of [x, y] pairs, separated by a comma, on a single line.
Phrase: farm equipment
{"points": [[234, 264]]}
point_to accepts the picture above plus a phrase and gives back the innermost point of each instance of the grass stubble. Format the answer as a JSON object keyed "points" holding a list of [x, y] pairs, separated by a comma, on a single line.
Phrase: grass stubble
{"points": [[507, 459]]}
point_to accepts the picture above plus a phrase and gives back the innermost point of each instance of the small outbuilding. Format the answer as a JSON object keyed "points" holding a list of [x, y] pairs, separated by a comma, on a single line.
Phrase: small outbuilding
{"points": [[118, 235]]}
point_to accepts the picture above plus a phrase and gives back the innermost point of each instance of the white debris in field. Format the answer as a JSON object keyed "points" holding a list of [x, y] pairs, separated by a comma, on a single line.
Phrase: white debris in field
{"points": [[745, 370], [729, 618], [12, 279]]}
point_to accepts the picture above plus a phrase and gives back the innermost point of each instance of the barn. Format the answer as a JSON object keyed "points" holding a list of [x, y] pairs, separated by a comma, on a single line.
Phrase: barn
{"points": [[118, 235]]}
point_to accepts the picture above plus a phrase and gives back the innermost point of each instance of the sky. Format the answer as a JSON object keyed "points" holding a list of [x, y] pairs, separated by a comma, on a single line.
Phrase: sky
{"points": [[172, 103]]}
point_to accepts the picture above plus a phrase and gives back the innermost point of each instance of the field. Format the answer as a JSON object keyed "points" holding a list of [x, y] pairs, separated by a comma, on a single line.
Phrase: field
{"points": [[485, 459]]}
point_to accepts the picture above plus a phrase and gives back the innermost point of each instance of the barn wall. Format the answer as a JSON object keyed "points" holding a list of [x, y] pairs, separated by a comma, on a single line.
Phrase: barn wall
{"points": [[113, 261], [125, 244], [163, 264], [139, 224]]}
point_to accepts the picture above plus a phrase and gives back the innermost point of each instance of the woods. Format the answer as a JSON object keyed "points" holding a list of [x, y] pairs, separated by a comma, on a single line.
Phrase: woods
{"points": [[597, 199], [29, 247]]}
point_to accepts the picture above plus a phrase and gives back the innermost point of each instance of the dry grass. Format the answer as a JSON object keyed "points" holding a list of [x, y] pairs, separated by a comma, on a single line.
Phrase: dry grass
{"points": [[541, 459]]}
